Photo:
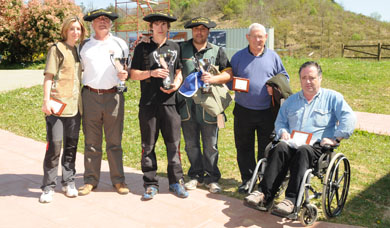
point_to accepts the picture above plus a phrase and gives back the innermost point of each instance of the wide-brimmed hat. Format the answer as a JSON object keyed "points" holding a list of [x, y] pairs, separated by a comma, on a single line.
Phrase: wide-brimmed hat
{"points": [[100, 12], [200, 21], [160, 17]]}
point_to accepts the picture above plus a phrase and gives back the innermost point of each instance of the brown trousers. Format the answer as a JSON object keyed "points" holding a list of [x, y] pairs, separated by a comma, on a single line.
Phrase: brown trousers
{"points": [[102, 112]]}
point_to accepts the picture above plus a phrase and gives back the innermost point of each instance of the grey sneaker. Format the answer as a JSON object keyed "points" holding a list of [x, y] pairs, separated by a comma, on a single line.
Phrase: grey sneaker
{"points": [[283, 208], [47, 196], [214, 187], [254, 198], [192, 184]]}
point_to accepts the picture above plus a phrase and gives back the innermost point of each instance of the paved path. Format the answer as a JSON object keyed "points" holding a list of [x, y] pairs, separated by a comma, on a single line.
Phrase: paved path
{"points": [[13, 79], [21, 176]]}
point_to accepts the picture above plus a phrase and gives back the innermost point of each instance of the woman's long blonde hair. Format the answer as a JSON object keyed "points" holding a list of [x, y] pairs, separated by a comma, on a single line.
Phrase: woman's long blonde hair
{"points": [[66, 25]]}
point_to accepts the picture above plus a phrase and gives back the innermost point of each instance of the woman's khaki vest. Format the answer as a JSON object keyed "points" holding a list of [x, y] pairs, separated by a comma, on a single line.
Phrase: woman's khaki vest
{"points": [[67, 82]]}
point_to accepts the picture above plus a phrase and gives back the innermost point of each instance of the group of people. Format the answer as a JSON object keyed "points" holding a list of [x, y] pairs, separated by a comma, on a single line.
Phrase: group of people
{"points": [[93, 96]]}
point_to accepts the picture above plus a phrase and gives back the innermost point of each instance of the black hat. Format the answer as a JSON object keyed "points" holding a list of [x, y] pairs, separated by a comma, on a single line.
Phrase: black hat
{"points": [[100, 12], [200, 21], [160, 17]]}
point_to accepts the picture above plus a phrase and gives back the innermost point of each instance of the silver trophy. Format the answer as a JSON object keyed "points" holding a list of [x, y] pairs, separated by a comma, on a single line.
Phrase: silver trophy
{"points": [[204, 65], [120, 64], [166, 60]]}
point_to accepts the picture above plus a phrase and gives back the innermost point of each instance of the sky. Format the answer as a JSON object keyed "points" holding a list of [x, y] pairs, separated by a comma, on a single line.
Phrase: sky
{"points": [[365, 7]]}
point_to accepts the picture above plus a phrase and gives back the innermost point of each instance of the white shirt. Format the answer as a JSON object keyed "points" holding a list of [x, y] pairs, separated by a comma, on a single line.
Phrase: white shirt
{"points": [[97, 57]]}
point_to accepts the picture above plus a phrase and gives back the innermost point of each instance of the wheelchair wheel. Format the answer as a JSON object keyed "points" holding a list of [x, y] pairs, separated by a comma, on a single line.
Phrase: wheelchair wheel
{"points": [[336, 186], [309, 215]]}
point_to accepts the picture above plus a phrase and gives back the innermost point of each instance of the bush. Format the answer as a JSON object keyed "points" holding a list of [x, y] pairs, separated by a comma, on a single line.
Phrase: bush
{"points": [[35, 25], [10, 12]]}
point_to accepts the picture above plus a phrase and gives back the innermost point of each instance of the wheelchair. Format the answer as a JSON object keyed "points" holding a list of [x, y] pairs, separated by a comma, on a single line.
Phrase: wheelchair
{"points": [[333, 170]]}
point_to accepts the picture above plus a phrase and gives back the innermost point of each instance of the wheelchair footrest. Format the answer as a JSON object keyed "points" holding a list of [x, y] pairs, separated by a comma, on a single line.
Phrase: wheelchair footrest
{"points": [[261, 206], [292, 216]]}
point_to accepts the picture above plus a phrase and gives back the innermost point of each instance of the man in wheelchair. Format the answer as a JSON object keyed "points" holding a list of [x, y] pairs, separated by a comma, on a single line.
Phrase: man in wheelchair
{"points": [[319, 113]]}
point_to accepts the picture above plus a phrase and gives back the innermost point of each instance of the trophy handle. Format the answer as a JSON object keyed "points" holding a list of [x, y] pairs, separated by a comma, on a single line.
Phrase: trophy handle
{"points": [[173, 57], [163, 62], [156, 57]]}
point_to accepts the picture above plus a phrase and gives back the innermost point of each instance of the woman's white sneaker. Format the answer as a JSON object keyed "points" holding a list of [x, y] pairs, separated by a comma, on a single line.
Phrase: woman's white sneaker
{"points": [[70, 190], [47, 196]]}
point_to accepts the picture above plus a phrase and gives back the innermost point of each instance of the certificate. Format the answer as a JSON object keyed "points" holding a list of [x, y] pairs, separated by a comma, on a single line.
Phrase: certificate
{"points": [[57, 106], [240, 84], [301, 137]]}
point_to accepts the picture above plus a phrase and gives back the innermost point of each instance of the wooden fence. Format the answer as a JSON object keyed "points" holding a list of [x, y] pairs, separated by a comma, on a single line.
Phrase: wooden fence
{"points": [[378, 49]]}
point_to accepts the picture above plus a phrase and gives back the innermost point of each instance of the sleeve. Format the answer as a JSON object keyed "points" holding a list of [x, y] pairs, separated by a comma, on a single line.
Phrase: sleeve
{"points": [[178, 64], [52, 61], [345, 116], [234, 66], [222, 60], [281, 122], [280, 69], [137, 60]]}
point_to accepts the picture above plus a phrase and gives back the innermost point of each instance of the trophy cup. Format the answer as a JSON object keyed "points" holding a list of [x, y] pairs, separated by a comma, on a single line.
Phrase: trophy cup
{"points": [[204, 65], [120, 64], [166, 60]]}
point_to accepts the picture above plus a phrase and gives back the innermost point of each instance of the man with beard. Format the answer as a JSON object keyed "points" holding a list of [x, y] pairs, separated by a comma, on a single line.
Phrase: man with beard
{"points": [[196, 122]]}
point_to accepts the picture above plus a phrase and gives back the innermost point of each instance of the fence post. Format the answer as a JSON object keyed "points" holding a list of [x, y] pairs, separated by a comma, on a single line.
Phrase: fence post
{"points": [[342, 50], [379, 51]]}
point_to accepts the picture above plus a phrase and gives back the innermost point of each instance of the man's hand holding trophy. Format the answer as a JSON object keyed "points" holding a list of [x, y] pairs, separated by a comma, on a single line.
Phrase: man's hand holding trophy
{"points": [[166, 61], [204, 65], [120, 65]]}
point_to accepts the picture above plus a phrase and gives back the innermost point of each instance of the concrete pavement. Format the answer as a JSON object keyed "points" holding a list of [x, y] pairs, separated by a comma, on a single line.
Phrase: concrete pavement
{"points": [[21, 177], [13, 79]]}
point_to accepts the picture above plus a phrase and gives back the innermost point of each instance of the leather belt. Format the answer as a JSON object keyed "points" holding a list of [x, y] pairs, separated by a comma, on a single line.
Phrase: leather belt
{"points": [[102, 91]]}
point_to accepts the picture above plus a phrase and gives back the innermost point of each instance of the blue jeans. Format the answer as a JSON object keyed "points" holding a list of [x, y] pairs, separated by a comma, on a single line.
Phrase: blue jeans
{"points": [[204, 166]]}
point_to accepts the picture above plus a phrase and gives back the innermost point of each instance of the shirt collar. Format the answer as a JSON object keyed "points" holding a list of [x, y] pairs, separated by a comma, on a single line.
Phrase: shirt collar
{"points": [[264, 51], [319, 94], [208, 46]]}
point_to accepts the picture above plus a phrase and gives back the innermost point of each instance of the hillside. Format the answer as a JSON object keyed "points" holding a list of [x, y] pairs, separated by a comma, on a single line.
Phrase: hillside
{"points": [[302, 27]]}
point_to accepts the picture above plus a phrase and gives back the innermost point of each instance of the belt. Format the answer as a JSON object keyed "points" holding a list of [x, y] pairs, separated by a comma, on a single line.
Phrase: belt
{"points": [[102, 91]]}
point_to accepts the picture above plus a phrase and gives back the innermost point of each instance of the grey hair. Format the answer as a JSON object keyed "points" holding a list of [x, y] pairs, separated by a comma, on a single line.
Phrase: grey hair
{"points": [[256, 26]]}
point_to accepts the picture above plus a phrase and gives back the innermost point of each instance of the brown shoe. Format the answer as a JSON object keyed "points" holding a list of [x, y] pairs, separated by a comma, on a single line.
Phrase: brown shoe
{"points": [[85, 189], [121, 188]]}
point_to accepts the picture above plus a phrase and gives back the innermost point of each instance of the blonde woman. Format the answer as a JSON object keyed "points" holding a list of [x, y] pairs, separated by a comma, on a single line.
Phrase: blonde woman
{"points": [[61, 102]]}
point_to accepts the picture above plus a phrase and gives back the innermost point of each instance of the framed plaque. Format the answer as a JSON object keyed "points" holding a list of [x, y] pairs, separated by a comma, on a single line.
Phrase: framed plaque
{"points": [[57, 105], [301, 137], [240, 84]]}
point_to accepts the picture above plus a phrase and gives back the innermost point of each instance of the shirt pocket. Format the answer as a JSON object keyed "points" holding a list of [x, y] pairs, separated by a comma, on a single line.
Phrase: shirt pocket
{"points": [[321, 117]]}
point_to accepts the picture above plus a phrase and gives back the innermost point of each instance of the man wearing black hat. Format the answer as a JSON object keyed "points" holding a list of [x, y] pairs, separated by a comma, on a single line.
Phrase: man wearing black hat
{"points": [[196, 122], [103, 104], [157, 65]]}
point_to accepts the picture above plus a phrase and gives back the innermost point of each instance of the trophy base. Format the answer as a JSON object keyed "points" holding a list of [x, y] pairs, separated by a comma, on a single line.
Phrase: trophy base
{"points": [[122, 89], [206, 90]]}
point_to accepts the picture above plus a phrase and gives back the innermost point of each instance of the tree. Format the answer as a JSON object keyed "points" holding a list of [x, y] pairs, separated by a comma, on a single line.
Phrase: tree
{"points": [[10, 12], [36, 26]]}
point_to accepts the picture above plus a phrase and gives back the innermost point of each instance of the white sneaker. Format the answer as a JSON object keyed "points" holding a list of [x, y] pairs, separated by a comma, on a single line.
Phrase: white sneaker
{"points": [[214, 187], [191, 185], [47, 196], [70, 191]]}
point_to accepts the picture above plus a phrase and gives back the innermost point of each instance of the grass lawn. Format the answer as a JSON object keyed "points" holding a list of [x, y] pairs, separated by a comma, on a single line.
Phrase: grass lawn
{"points": [[360, 81]]}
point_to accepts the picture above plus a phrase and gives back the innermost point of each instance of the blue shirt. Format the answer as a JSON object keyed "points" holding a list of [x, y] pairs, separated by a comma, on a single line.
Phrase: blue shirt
{"points": [[327, 116], [258, 69]]}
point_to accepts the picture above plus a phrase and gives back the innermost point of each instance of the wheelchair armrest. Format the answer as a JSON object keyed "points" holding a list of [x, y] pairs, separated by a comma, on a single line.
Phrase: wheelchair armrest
{"points": [[329, 148]]}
